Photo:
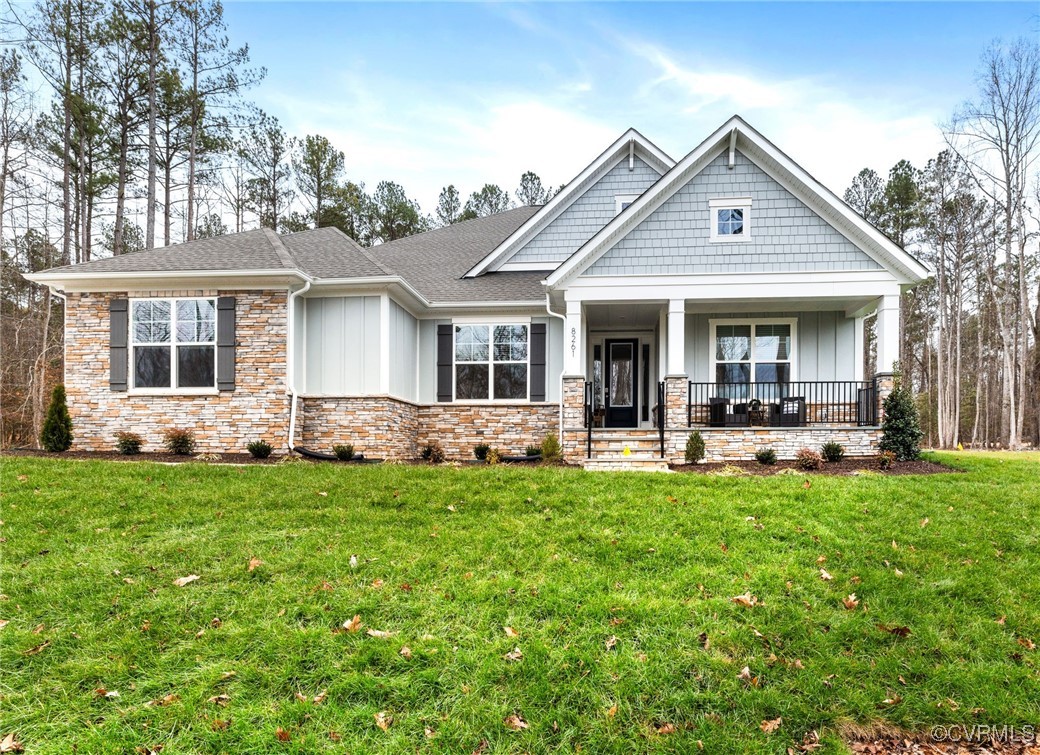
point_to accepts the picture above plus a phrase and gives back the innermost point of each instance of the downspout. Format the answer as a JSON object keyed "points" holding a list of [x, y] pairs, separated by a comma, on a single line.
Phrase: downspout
{"points": [[562, 317], [291, 366]]}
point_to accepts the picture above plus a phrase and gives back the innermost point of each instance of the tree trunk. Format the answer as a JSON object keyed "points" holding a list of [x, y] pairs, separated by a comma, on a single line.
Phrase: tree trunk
{"points": [[153, 53], [121, 181]]}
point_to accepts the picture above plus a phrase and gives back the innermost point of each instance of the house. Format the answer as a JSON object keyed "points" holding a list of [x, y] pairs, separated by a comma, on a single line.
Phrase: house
{"points": [[725, 292]]}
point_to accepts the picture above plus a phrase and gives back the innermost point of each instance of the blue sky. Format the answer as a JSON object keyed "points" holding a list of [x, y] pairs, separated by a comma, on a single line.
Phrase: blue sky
{"points": [[466, 93]]}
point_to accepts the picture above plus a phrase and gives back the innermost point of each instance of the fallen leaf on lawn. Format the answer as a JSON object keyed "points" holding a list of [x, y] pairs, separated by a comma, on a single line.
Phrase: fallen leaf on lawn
{"points": [[128, 581], [612, 711], [902, 680], [379, 633], [227, 675], [182, 581], [216, 623], [4, 623], [515, 722], [38, 629], [1027, 643], [219, 724], [747, 600], [22, 478], [335, 736], [746, 676], [514, 655], [254, 562], [148, 750], [383, 721], [282, 735], [898, 573], [320, 697], [798, 664], [326, 586], [451, 508], [405, 652], [851, 602], [377, 583], [354, 624], [821, 559], [611, 642], [896, 630], [893, 700], [405, 587], [200, 633], [924, 522], [102, 692], [37, 649], [806, 484], [510, 632], [353, 562], [323, 494], [825, 575], [162, 702], [770, 726], [704, 640], [221, 700], [665, 728], [301, 697], [1001, 620], [430, 733], [468, 575]]}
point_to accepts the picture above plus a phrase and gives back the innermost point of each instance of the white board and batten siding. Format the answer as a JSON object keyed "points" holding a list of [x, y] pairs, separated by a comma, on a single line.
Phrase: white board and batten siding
{"points": [[404, 346], [342, 345]]}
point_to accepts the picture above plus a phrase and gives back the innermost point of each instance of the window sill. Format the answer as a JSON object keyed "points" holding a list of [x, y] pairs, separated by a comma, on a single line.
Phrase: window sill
{"points": [[172, 392], [730, 239]]}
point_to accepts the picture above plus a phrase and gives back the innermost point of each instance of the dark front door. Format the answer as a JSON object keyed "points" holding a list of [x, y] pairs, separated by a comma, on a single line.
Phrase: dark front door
{"points": [[622, 383]]}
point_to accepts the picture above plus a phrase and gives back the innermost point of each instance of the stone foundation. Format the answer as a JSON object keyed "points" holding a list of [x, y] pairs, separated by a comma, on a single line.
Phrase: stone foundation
{"points": [[740, 443], [377, 426], [510, 428], [258, 408]]}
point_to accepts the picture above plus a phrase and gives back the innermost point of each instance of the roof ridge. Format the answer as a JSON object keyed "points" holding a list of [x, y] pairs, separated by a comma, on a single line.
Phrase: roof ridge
{"points": [[284, 256]]}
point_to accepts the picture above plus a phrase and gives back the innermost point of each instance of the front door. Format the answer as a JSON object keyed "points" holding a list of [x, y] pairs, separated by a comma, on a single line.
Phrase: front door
{"points": [[622, 383]]}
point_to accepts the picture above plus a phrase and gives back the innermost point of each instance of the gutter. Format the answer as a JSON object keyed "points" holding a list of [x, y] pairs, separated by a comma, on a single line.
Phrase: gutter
{"points": [[290, 367], [562, 317]]}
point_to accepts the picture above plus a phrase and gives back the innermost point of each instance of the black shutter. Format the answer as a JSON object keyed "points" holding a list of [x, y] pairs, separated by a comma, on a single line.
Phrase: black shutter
{"points": [[226, 343], [118, 333], [444, 362], [538, 361]]}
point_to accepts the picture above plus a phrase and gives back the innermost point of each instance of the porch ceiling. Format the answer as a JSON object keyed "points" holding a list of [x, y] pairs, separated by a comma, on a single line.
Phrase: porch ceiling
{"points": [[623, 315], [822, 304]]}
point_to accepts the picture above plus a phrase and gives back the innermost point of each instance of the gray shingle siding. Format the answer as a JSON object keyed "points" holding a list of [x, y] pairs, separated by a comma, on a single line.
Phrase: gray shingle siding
{"points": [[587, 214], [785, 235]]}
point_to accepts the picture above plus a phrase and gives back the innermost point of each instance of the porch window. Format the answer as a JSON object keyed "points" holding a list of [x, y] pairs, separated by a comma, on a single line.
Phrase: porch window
{"points": [[174, 343], [491, 362], [759, 352]]}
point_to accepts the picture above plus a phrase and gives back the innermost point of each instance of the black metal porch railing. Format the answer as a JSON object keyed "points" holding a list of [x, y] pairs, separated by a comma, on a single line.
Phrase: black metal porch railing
{"points": [[588, 420], [794, 404]]}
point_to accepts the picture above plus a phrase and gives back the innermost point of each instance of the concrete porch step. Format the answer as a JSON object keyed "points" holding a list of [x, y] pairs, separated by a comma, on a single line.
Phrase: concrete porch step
{"points": [[626, 464]]}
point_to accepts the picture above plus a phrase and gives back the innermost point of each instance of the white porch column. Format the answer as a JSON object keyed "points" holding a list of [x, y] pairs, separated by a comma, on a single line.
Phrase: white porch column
{"points": [[859, 346], [677, 337], [574, 341], [887, 333]]}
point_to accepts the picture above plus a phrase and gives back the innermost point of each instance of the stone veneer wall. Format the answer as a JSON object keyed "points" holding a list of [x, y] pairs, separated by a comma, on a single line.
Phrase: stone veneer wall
{"points": [[226, 421], [740, 443], [510, 428], [377, 426]]}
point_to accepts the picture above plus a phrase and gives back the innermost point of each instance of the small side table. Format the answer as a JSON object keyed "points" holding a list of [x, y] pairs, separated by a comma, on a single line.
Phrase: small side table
{"points": [[756, 417]]}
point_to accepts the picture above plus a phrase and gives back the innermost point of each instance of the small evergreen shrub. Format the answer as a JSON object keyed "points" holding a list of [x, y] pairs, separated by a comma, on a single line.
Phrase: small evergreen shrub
{"points": [[832, 451], [432, 452], [765, 456], [481, 451], [179, 441], [56, 435], [901, 429], [808, 459], [494, 456], [343, 451], [551, 452], [128, 443], [533, 451], [886, 459], [259, 449], [694, 448]]}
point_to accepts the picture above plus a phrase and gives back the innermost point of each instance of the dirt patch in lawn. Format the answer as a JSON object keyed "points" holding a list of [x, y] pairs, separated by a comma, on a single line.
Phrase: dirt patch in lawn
{"points": [[845, 467]]}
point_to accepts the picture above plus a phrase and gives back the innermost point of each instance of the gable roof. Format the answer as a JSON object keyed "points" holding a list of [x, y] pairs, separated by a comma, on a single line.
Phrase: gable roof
{"points": [[631, 142], [732, 135], [330, 253]]}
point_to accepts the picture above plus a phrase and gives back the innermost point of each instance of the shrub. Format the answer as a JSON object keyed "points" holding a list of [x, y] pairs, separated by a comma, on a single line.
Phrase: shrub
{"points": [[179, 441], [832, 451], [886, 459], [533, 451], [901, 429], [259, 449], [432, 452], [808, 459], [694, 448], [494, 456], [128, 443], [481, 451], [551, 453], [343, 451], [765, 456], [56, 435]]}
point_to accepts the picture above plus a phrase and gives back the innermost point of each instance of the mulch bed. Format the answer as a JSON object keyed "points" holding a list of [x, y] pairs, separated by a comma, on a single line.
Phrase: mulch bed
{"points": [[845, 467]]}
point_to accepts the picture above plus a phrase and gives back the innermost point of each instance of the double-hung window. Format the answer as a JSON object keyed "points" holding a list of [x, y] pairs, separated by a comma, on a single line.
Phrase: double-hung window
{"points": [[491, 362], [753, 352], [174, 343]]}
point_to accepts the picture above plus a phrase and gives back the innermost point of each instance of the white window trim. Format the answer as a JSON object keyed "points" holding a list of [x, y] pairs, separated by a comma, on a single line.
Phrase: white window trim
{"points": [[753, 321], [491, 325], [172, 344], [729, 203], [620, 199]]}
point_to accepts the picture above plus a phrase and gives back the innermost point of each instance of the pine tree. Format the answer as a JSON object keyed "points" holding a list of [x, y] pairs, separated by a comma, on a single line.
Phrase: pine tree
{"points": [[901, 428], [56, 435]]}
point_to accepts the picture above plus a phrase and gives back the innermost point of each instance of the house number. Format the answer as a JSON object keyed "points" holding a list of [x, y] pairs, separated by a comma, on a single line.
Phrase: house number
{"points": [[574, 341]]}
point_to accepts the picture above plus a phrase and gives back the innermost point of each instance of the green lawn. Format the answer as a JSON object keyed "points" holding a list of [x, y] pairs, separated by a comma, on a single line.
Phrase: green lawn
{"points": [[447, 558]]}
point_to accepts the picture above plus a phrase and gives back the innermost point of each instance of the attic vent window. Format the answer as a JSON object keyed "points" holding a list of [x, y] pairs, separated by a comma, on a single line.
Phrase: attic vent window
{"points": [[730, 218], [622, 201]]}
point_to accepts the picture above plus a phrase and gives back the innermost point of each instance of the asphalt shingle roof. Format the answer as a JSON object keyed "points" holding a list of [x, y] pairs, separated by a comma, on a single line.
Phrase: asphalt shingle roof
{"points": [[433, 263]]}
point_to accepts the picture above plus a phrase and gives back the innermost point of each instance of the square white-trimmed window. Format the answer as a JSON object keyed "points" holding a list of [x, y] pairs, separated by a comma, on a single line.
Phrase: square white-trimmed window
{"points": [[173, 344], [730, 218], [622, 201], [491, 361]]}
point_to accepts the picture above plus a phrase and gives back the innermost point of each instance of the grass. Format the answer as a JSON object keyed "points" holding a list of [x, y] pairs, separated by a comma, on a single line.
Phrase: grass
{"points": [[567, 559]]}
